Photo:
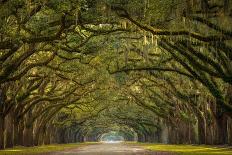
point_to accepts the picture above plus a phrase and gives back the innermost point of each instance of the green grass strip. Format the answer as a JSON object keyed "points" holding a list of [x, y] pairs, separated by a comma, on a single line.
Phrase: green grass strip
{"points": [[189, 149], [41, 149]]}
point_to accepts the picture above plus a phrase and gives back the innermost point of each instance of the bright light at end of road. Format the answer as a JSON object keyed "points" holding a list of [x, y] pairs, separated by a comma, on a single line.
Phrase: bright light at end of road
{"points": [[112, 142]]}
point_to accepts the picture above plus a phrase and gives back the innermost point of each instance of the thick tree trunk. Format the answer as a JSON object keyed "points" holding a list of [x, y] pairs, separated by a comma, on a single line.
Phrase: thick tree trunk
{"points": [[193, 133], [201, 129], [9, 130], [61, 138], [164, 135], [230, 131], [41, 134], [157, 136], [221, 129], [67, 136], [20, 131], [145, 138], [37, 135], [229, 100], [80, 137], [16, 132], [2, 137], [28, 135], [76, 136], [2, 116], [47, 137], [28, 130], [172, 132], [142, 138], [210, 135], [71, 137]]}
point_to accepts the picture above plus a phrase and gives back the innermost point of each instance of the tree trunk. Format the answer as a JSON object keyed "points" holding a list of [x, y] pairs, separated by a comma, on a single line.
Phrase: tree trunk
{"points": [[16, 132], [229, 100], [193, 134], [37, 132], [164, 135], [28, 130], [28, 135], [42, 135], [172, 132], [9, 130], [20, 131], [221, 129], [158, 135], [76, 136], [61, 137], [47, 137], [201, 129], [37, 135], [2, 137], [80, 137], [221, 126], [230, 131], [2, 116], [210, 135]]}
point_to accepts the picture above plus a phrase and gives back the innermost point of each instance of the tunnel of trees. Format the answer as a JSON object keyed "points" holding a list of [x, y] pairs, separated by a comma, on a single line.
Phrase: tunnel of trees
{"points": [[148, 70]]}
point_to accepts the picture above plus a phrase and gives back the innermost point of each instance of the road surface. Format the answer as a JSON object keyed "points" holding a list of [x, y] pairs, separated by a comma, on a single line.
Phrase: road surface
{"points": [[109, 149]]}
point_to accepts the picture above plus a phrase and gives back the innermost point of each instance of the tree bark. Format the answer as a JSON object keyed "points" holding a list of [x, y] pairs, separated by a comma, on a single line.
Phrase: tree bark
{"points": [[61, 138], [9, 130], [47, 137], [2, 116], [28, 135], [221, 127], [230, 131], [201, 129], [2, 137], [210, 133], [20, 131], [229, 100], [16, 132], [37, 135], [76, 136], [28, 130]]}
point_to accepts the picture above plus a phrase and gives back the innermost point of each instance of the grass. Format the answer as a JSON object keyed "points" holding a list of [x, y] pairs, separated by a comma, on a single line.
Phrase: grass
{"points": [[41, 149], [188, 149]]}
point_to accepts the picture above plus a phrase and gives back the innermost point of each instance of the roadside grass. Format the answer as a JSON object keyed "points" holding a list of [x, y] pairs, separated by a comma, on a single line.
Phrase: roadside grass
{"points": [[188, 149], [42, 149]]}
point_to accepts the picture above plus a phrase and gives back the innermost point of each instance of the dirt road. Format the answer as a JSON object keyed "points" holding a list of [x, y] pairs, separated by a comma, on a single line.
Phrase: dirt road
{"points": [[109, 149]]}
